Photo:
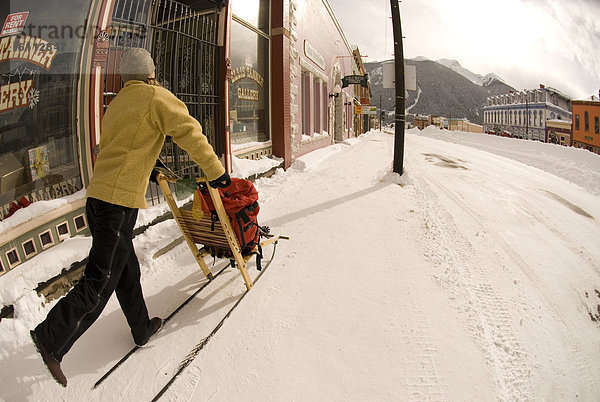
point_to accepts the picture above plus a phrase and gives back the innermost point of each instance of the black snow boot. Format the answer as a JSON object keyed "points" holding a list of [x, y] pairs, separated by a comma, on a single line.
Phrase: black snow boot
{"points": [[156, 323], [51, 363]]}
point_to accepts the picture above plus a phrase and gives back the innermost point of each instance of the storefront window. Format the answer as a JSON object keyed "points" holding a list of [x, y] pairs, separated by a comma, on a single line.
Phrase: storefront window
{"points": [[40, 52], [253, 12], [249, 90]]}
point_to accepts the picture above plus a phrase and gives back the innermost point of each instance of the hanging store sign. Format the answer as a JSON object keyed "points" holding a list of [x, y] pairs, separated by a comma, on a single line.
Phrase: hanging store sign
{"points": [[314, 55], [361, 80], [29, 48], [366, 110], [14, 23]]}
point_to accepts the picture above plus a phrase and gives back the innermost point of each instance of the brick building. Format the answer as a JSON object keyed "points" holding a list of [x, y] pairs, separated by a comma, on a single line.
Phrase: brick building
{"points": [[586, 124]]}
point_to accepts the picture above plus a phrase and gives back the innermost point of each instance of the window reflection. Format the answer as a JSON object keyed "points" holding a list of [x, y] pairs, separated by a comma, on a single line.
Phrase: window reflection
{"points": [[39, 67], [249, 90], [254, 12]]}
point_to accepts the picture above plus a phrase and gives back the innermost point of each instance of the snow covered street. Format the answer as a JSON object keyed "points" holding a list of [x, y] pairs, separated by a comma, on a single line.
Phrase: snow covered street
{"points": [[474, 276]]}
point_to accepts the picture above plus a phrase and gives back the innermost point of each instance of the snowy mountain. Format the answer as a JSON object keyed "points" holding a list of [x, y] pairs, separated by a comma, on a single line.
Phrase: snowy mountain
{"points": [[478, 79], [471, 277], [444, 89]]}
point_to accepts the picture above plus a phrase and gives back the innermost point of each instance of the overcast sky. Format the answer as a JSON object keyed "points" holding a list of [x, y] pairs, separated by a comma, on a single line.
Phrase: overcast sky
{"points": [[525, 42]]}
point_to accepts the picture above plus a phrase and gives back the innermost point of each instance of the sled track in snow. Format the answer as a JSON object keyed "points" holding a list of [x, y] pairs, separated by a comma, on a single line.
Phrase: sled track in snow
{"points": [[191, 356], [487, 317]]}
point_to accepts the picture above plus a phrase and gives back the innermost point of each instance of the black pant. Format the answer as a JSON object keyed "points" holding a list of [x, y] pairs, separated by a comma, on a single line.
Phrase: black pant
{"points": [[112, 266]]}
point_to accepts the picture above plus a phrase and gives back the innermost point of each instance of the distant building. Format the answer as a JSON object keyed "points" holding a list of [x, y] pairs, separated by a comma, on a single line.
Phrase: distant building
{"points": [[524, 114], [586, 124], [421, 122], [365, 119], [464, 125], [431, 120], [437, 121], [559, 132]]}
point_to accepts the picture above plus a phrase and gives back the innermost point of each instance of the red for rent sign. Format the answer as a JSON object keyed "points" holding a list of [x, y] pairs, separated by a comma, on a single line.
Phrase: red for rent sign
{"points": [[14, 23]]}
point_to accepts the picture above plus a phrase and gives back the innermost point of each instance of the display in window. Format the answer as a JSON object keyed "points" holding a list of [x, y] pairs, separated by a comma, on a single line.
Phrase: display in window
{"points": [[38, 162]]}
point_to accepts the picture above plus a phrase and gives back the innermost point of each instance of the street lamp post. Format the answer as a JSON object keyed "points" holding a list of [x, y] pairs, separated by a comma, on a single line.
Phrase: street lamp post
{"points": [[400, 89]]}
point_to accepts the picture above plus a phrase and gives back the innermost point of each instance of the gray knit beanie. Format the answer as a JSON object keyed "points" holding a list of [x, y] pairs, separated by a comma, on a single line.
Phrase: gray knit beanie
{"points": [[136, 64]]}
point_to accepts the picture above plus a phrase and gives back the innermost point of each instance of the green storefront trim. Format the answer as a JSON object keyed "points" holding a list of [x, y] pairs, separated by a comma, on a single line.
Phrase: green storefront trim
{"points": [[49, 231]]}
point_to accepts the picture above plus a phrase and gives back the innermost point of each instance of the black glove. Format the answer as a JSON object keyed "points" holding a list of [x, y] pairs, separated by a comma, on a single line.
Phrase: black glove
{"points": [[155, 172], [221, 182]]}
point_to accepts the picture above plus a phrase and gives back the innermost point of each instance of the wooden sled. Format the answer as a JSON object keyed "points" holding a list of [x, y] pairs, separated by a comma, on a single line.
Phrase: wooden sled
{"points": [[221, 241]]}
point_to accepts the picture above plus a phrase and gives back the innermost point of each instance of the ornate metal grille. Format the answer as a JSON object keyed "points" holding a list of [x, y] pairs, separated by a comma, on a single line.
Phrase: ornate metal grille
{"points": [[184, 49], [183, 43]]}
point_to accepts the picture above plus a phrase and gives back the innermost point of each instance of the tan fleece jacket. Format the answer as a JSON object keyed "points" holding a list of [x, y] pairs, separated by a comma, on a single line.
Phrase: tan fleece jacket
{"points": [[133, 132]]}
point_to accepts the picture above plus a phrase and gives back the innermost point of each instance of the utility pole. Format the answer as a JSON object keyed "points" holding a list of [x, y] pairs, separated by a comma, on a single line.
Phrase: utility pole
{"points": [[400, 90], [380, 114]]}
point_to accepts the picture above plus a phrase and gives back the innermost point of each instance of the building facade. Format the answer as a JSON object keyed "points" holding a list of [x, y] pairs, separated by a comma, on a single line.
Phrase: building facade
{"points": [[586, 124], [259, 75], [364, 113], [559, 132], [524, 114], [464, 125]]}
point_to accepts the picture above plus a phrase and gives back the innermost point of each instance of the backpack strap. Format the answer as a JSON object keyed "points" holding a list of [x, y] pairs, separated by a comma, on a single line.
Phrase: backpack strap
{"points": [[262, 231], [242, 213], [214, 218], [259, 257]]}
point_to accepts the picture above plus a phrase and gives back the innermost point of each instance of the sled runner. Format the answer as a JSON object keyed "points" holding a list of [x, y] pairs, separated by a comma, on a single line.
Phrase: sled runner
{"points": [[212, 231]]}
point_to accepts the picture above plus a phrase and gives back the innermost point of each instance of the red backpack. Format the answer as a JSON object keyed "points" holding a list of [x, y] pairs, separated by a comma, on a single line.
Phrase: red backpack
{"points": [[240, 200]]}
